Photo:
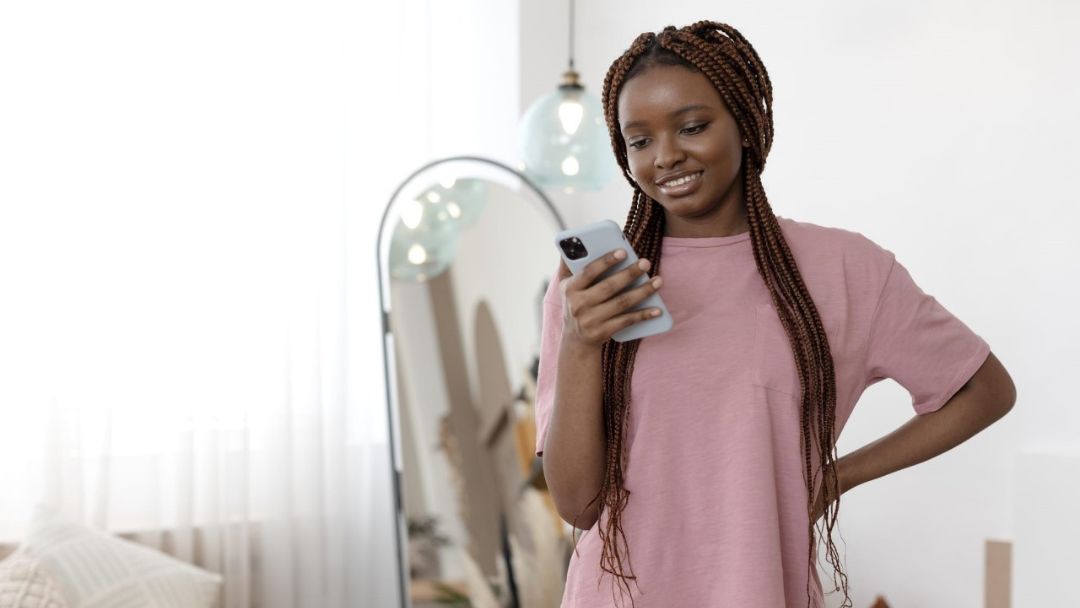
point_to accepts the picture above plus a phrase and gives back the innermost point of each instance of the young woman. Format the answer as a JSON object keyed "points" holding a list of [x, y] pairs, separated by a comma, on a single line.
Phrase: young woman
{"points": [[707, 453]]}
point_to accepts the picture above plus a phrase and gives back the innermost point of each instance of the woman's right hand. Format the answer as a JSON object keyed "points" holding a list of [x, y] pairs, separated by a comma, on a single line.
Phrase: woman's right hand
{"points": [[594, 310]]}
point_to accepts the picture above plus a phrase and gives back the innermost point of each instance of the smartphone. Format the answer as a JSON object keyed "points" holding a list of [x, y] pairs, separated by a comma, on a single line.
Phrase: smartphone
{"points": [[580, 246]]}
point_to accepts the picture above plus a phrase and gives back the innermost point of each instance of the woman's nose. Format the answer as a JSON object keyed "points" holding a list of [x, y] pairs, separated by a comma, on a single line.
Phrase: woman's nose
{"points": [[668, 153]]}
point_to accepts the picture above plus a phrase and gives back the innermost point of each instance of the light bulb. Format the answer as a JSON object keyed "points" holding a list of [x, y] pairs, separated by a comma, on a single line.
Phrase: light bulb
{"points": [[570, 166], [417, 254], [570, 113], [412, 213]]}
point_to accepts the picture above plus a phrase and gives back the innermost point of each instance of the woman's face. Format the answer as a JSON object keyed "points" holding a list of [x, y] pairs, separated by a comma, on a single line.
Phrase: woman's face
{"points": [[684, 150]]}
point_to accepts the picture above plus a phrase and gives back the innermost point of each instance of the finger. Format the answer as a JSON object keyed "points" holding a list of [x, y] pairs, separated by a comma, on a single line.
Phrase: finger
{"points": [[604, 290], [598, 266], [626, 300], [625, 320]]}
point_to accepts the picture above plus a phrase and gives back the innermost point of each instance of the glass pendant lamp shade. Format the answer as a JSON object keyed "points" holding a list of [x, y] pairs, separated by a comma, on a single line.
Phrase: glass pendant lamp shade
{"points": [[563, 140], [424, 239], [464, 198]]}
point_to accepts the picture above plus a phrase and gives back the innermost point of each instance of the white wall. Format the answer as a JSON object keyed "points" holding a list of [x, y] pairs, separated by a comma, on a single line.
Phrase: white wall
{"points": [[946, 132]]}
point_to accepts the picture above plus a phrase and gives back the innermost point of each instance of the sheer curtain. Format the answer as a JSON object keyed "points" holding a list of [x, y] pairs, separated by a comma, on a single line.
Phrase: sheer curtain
{"points": [[189, 330], [197, 402]]}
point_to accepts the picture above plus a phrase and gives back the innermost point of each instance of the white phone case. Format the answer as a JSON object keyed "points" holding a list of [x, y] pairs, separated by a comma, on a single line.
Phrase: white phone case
{"points": [[600, 238]]}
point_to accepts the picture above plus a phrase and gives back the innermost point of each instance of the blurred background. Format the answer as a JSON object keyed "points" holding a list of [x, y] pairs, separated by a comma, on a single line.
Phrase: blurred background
{"points": [[192, 280]]}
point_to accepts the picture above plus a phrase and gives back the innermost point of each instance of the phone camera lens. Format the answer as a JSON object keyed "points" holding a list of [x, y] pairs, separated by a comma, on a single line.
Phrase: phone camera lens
{"points": [[573, 248]]}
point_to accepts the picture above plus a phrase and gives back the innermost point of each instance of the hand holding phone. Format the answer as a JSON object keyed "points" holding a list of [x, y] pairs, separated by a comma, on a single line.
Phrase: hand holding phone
{"points": [[608, 297]]}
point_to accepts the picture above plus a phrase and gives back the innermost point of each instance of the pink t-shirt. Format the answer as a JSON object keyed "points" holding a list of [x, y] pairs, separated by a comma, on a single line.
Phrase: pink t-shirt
{"points": [[717, 512]]}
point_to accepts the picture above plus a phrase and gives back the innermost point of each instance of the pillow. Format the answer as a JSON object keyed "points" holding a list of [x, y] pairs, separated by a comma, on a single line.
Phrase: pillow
{"points": [[23, 584], [98, 570]]}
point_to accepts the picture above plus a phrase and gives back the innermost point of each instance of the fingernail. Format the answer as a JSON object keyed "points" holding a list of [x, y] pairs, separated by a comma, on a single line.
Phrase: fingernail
{"points": [[657, 282], [620, 254], [644, 264]]}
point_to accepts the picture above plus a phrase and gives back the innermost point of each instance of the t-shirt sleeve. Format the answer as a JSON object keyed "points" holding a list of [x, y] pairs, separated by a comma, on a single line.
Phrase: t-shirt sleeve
{"points": [[550, 337], [918, 343]]}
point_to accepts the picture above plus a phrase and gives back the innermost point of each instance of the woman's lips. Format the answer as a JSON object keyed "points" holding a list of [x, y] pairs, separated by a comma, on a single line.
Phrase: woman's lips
{"points": [[684, 189]]}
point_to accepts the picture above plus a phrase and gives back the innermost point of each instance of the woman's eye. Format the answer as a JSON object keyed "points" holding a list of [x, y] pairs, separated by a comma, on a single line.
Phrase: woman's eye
{"points": [[695, 129], [637, 144]]}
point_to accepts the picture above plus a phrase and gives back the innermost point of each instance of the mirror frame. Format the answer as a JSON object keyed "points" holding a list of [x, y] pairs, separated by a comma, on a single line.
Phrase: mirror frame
{"points": [[389, 368]]}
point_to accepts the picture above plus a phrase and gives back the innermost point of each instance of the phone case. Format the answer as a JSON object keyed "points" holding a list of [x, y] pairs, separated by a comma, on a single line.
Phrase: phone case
{"points": [[600, 238]]}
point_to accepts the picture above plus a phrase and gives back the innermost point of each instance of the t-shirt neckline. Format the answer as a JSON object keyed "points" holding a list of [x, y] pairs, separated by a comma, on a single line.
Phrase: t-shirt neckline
{"points": [[709, 241], [705, 241]]}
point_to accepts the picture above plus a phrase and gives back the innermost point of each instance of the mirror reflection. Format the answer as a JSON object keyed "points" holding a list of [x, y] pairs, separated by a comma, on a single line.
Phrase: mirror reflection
{"points": [[465, 258]]}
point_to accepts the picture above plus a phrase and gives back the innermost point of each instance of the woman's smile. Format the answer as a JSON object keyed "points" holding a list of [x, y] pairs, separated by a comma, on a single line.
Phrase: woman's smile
{"points": [[681, 186]]}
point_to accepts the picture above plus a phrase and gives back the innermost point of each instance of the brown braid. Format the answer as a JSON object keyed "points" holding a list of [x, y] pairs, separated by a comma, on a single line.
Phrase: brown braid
{"points": [[727, 59]]}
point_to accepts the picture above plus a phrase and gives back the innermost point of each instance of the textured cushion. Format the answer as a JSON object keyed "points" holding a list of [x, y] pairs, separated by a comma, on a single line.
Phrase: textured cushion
{"points": [[96, 570], [23, 584]]}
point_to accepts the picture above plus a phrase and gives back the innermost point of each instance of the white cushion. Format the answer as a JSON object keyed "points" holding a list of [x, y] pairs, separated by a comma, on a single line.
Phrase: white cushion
{"points": [[23, 584], [98, 570]]}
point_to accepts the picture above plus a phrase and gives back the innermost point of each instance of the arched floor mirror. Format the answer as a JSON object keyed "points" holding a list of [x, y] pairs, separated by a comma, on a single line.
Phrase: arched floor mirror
{"points": [[465, 253]]}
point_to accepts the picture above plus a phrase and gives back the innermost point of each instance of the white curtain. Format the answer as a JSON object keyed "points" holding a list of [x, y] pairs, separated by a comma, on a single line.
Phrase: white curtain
{"points": [[189, 332], [190, 344]]}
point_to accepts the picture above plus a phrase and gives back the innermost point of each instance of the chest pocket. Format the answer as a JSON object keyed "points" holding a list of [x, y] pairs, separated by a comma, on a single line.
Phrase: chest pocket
{"points": [[772, 361]]}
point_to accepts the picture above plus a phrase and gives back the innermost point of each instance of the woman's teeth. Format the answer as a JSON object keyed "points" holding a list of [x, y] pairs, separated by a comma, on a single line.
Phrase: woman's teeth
{"points": [[682, 180]]}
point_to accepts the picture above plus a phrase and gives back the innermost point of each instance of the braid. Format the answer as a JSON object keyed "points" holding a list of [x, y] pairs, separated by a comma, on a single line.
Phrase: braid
{"points": [[728, 60]]}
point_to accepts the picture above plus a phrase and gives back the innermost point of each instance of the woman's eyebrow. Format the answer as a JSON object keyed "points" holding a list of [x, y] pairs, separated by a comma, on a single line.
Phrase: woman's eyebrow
{"points": [[675, 114]]}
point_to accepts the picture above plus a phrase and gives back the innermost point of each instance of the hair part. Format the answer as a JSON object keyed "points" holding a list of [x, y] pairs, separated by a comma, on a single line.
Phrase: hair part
{"points": [[654, 56], [727, 59]]}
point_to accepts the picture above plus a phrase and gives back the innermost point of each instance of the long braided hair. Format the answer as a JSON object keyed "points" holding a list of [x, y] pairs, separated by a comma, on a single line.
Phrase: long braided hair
{"points": [[727, 59]]}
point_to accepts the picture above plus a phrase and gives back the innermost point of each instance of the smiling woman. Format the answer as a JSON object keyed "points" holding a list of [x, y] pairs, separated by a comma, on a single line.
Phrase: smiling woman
{"points": [[704, 457], [684, 149]]}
